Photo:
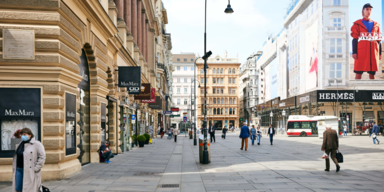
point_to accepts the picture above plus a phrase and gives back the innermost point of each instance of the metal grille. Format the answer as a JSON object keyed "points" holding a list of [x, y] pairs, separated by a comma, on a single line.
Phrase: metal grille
{"points": [[139, 173], [169, 185]]}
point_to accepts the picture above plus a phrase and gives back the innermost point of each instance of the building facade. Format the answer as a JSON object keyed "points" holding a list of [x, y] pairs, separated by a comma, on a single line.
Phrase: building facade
{"points": [[183, 87], [69, 70], [222, 86]]}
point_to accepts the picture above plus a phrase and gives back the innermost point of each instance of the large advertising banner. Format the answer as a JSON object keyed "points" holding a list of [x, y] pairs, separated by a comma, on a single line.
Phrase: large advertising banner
{"points": [[273, 78], [364, 64], [311, 55]]}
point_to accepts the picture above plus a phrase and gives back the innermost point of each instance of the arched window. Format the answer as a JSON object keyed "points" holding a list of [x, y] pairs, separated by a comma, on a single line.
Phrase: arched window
{"points": [[230, 111], [222, 100], [214, 100], [229, 71], [221, 71], [234, 111], [226, 111], [214, 111], [213, 71], [230, 100], [234, 100], [201, 71], [222, 111], [233, 71]]}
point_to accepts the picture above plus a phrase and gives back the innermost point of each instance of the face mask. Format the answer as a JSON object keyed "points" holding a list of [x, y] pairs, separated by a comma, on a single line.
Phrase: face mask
{"points": [[24, 138]]}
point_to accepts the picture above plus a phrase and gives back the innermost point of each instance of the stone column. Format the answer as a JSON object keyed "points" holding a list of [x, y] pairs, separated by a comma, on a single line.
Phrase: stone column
{"points": [[143, 33], [127, 15], [120, 9], [139, 23], [134, 20], [146, 41]]}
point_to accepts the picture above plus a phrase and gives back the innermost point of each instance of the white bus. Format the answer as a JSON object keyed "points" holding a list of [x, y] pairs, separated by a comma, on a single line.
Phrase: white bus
{"points": [[303, 125]]}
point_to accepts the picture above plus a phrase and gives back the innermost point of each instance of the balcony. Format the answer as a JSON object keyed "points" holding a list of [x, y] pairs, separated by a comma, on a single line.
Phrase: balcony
{"points": [[335, 29], [336, 56]]}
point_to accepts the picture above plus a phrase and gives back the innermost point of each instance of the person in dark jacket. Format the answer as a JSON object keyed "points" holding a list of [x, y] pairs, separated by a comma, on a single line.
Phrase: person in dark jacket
{"points": [[212, 133], [271, 132], [330, 145], [224, 132], [244, 134], [106, 152], [161, 132], [375, 132]]}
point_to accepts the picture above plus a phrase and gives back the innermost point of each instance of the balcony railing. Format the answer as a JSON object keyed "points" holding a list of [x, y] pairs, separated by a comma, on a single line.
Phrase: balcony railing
{"points": [[335, 29]]}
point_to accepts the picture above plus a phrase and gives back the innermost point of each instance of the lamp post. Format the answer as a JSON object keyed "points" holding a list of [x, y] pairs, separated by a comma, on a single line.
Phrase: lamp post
{"points": [[283, 113], [354, 114], [337, 103], [194, 105], [136, 107], [271, 115], [228, 10]]}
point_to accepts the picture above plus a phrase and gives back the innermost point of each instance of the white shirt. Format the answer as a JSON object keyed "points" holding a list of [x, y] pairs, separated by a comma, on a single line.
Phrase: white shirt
{"points": [[271, 131]]}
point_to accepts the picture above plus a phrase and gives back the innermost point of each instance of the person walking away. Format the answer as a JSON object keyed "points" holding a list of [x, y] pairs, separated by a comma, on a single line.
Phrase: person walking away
{"points": [[330, 145], [175, 132], [28, 160], [375, 132], [106, 152], [244, 134], [258, 135], [161, 132], [271, 132], [212, 133], [345, 130], [370, 128], [224, 132], [366, 52], [253, 134]]}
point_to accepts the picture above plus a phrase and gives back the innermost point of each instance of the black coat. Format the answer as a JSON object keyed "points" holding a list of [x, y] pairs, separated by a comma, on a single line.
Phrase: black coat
{"points": [[211, 128], [269, 130]]}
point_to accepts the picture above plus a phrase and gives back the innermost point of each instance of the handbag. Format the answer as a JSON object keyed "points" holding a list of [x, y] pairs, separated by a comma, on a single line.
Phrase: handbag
{"points": [[339, 157]]}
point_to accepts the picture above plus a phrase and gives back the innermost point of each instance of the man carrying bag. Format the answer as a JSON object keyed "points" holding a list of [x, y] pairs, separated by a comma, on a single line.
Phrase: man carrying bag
{"points": [[330, 145]]}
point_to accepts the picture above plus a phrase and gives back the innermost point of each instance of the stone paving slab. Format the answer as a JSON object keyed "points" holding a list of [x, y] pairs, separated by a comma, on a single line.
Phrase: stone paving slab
{"points": [[292, 164]]}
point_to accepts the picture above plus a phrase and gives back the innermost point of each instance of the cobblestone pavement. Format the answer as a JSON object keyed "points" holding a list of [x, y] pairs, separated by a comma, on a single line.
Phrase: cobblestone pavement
{"points": [[290, 164]]}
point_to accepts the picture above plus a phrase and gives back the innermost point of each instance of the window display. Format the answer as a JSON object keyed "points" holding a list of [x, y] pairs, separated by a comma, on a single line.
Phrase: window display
{"points": [[8, 128]]}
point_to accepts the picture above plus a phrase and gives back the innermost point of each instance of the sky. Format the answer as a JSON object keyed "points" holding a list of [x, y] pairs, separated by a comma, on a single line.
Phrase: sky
{"points": [[242, 32]]}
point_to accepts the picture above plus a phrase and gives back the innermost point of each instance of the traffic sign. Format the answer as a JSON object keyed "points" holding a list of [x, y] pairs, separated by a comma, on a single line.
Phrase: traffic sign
{"points": [[133, 118], [184, 119], [167, 112]]}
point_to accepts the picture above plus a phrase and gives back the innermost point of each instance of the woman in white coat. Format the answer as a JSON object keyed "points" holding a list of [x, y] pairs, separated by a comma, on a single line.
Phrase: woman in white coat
{"points": [[28, 160]]}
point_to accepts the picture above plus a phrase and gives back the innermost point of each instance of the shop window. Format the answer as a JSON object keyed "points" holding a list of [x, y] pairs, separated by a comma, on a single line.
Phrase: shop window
{"points": [[70, 125]]}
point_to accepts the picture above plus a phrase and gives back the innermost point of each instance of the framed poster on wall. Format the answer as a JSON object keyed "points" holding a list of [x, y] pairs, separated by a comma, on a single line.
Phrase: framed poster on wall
{"points": [[19, 108]]}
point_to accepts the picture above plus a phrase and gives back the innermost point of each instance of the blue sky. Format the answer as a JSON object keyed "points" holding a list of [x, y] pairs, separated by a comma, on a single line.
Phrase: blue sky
{"points": [[355, 8], [242, 32]]}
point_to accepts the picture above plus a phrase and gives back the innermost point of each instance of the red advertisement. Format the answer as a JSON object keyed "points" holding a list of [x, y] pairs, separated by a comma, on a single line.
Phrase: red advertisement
{"points": [[153, 97], [175, 109]]}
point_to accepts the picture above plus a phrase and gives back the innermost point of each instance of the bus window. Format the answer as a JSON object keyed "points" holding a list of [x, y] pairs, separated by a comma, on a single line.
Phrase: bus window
{"points": [[293, 125], [306, 125]]}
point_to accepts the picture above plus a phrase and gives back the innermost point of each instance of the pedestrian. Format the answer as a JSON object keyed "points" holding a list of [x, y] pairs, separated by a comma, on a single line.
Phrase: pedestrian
{"points": [[258, 135], [330, 145], [375, 132], [345, 130], [224, 132], [253, 134], [28, 160], [161, 132], [271, 132], [212, 133], [367, 60], [175, 132], [370, 128], [244, 134]]}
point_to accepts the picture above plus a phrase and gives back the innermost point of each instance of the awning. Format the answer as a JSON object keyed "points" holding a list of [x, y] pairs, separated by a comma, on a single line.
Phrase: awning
{"points": [[369, 114]]}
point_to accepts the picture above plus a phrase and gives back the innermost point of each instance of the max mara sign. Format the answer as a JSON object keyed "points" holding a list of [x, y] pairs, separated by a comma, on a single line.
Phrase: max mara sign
{"points": [[20, 102], [20, 112]]}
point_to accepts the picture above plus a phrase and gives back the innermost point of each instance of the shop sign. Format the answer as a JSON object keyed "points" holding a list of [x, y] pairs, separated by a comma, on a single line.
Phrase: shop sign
{"points": [[70, 107], [153, 97], [157, 105], [175, 109], [20, 102], [130, 77], [306, 98], [275, 102], [334, 95], [145, 92]]}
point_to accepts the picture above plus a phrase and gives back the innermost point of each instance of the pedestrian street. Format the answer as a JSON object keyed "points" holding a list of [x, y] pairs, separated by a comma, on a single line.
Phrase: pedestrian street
{"points": [[291, 164]]}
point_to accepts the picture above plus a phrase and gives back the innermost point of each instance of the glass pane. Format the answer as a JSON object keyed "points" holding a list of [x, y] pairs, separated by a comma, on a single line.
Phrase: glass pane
{"points": [[338, 74], [69, 133], [338, 66], [8, 128], [335, 20], [332, 42], [339, 20], [84, 127], [305, 125], [332, 74], [339, 41]]}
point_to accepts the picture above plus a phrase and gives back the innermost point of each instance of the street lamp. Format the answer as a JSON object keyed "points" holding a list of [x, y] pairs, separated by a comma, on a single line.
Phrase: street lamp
{"points": [[194, 105], [283, 113], [205, 57], [337, 101], [271, 115], [354, 114], [136, 107]]}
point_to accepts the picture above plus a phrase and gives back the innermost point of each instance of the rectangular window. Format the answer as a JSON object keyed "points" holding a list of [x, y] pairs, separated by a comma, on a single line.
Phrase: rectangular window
{"points": [[336, 2], [202, 90], [336, 22], [193, 90], [191, 60], [201, 71], [192, 68], [185, 102], [178, 80], [185, 80], [178, 68], [178, 101], [335, 70], [234, 80], [222, 81], [178, 90], [202, 80], [229, 80], [185, 90], [185, 68], [214, 90], [193, 102], [185, 60], [233, 91], [213, 80], [336, 46]]}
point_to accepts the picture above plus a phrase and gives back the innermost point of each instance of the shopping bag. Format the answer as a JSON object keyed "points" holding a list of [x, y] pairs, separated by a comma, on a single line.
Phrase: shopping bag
{"points": [[150, 140], [339, 157], [325, 156]]}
